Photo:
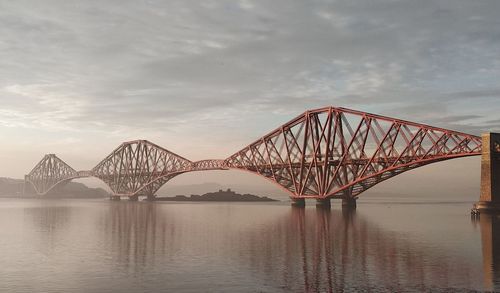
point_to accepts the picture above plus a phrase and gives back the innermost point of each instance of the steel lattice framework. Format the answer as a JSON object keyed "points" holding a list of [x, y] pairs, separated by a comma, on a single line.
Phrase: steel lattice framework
{"points": [[337, 152], [139, 168], [323, 153], [50, 172]]}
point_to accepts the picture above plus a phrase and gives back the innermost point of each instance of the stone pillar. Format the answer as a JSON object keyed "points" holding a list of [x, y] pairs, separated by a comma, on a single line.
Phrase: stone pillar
{"points": [[298, 202], [114, 197], [133, 198], [489, 200], [151, 197], [323, 203], [349, 203]]}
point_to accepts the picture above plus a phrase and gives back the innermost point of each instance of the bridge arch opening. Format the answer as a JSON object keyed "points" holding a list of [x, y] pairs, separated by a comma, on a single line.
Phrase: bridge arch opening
{"points": [[200, 182], [95, 187], [457, 178]]}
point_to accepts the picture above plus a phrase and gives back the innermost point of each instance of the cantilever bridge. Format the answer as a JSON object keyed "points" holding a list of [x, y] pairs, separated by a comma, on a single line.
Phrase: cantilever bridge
{"points": [[324, 153]]}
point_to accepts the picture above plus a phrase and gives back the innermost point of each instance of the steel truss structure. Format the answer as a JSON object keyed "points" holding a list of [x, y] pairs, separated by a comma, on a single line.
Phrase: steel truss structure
{"points": [[139, 168], [50, 172], [323, 153], [339, 153]]}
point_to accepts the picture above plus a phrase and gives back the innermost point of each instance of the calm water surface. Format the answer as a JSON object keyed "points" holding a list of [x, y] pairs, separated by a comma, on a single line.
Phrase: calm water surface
{"points": [[103, 246]]}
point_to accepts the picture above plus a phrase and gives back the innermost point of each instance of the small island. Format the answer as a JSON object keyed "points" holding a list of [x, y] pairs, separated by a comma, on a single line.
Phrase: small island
{"points": [[221, 195]]}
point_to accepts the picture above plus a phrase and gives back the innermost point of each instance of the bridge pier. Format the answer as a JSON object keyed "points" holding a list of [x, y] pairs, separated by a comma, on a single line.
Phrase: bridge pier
{"points": [[115, 198], [298, 202], [489, 200], [349, 203], [151, 197], [323, 203], [133, 198]]}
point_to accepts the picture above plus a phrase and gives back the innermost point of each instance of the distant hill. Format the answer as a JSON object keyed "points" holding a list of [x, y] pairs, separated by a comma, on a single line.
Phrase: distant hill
{"points": [[221, 195], [196, 188], [10, 187]]}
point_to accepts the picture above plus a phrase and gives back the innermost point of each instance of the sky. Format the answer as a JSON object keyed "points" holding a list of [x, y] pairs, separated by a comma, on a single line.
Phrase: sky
{"points": [[205, 78]]}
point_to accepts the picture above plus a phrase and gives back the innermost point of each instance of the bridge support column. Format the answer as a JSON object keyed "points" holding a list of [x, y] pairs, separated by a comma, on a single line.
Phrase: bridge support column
{"points": [[349, 203], [133, 198], [323, 203], [298, 202], [114, 197], [489, 200], [151, 197]]}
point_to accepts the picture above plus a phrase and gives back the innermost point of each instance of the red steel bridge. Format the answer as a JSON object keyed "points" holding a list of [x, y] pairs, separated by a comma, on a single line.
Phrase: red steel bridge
{"points": [[322, 154]]}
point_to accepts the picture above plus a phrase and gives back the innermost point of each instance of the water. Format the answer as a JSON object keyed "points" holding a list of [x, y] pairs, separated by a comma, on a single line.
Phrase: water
{"points": [[103, 246]]}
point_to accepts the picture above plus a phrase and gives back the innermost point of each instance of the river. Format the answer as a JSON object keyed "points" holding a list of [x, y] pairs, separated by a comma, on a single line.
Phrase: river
{"points": [[385, 245]]}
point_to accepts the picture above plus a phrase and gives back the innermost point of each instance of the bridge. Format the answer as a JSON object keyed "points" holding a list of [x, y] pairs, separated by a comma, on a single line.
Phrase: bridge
{"points": [[321, 154]]}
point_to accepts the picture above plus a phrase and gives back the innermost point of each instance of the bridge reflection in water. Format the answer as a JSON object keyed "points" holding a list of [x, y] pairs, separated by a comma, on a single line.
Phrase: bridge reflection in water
{"points": [[490, 238], [300, 249]]}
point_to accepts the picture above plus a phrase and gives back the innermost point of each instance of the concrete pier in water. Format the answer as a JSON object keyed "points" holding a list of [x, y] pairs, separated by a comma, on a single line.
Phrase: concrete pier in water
{"points": [[323, 203], [349, 203], [298, 202]]}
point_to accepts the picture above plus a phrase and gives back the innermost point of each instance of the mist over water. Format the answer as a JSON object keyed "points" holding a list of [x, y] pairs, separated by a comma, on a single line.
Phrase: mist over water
{"points": [[103, 246]]}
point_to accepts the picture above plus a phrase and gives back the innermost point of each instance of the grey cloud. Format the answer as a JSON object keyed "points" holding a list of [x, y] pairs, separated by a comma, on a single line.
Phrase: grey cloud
{"points": [[131, 65], [481, 93], [456, 118], [495, 121]]}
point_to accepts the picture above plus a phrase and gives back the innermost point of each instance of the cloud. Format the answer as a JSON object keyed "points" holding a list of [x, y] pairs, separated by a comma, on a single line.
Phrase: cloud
{"points": [[212, 76], [480, 93]]}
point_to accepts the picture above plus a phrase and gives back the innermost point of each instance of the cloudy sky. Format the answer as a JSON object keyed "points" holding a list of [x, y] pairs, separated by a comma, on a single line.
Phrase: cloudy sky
{"points": [[205, 78]]}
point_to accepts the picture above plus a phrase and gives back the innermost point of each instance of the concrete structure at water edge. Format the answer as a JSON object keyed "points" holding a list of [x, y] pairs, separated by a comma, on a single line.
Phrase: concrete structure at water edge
{"points": [[489, 200]]}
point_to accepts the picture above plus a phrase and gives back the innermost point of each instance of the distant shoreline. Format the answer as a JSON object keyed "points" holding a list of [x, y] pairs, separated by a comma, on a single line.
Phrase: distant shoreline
{"points": [[220, 196], [16, 188]]}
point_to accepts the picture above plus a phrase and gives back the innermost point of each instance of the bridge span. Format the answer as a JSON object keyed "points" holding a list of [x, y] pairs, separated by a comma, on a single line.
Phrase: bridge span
{"points": [[321, 154]]}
